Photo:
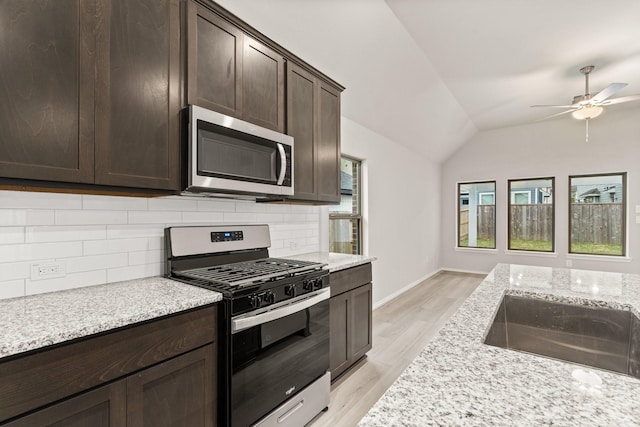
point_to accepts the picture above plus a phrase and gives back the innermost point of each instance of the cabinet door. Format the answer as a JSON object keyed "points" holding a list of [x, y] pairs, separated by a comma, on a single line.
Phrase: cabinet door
{"points": [[137, 93], [46, 88], [328, 144], [102, 407], [301, 125], [340, 332], [214, 58], [262, 85], [179, 392], [361, 321]]}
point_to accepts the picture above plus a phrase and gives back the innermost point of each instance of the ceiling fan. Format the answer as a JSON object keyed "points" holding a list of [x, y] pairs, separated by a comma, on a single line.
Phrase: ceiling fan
{"points": [[588, 106]]}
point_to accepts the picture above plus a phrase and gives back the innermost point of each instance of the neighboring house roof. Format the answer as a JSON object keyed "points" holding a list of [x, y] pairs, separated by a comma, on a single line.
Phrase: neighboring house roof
{"points": [[346, 184], [590, 193]]}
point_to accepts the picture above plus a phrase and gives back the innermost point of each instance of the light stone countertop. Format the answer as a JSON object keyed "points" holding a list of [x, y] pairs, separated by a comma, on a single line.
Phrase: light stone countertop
{"points": [[335, 261], [36, 321], [459, 381]]}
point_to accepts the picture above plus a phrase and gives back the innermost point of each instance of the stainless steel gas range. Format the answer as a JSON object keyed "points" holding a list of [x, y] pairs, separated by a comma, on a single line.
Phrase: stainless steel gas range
{"points": [[274, 323]]}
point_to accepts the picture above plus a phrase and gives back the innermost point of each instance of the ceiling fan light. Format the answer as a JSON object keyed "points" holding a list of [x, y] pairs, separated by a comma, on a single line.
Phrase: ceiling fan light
{"points": [[587, 112]]}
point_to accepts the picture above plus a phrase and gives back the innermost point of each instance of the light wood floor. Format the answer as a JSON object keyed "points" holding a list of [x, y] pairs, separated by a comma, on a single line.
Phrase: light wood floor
{"points": [[401, 329]]}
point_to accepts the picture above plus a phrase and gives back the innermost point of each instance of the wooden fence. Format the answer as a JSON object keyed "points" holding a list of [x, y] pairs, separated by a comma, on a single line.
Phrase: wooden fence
{"points": [[531, 222], [590, 222], [599, 223]]}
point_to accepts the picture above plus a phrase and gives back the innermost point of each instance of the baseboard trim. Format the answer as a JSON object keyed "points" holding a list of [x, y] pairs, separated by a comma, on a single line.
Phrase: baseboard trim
{"points": [[399, 292]]}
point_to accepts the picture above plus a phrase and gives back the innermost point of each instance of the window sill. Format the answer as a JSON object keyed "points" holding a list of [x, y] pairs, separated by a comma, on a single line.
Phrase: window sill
{"points": [[477, 250], [532, 253], [608, 258]]}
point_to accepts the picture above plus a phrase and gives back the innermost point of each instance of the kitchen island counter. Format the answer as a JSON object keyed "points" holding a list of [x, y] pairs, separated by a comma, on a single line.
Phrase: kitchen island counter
{"points": [[36, 321], [458, 380]]}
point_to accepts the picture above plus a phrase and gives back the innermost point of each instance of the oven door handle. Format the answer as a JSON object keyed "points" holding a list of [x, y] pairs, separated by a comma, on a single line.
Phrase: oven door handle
{"points": [[250, 321]]}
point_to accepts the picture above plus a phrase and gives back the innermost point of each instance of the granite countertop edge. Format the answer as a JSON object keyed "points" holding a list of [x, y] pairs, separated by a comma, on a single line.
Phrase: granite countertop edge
{"points": [[36, 321], [334, 261]]}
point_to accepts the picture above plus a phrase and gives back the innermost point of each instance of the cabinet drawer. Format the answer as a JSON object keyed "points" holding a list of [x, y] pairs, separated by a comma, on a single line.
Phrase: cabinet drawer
{"points": [[38, 379], [345, 280]]}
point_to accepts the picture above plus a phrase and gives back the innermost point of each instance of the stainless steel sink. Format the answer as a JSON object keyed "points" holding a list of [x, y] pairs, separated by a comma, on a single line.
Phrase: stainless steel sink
{"points": [[600, 337]]}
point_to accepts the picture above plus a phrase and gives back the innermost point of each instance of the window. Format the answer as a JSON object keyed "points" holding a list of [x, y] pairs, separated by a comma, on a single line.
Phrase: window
{"points": [[597, 214], [345, 220], [477, 214], [531, 213]]}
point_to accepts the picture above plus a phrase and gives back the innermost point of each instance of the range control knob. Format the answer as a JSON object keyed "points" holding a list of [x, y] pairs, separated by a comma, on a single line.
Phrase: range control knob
{"points": [[307, 285], [290, 290], [318, 284], [255, 301], [269, 297]]}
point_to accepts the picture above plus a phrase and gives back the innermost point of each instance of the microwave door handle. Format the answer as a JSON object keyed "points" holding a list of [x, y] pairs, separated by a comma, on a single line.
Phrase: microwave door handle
{"points": [[283, 164]]}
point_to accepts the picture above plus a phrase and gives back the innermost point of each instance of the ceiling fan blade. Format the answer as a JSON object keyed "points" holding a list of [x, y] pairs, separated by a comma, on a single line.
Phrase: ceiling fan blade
{"points": [[553, 106], [557, 114], [621, 100], [606, 92]]}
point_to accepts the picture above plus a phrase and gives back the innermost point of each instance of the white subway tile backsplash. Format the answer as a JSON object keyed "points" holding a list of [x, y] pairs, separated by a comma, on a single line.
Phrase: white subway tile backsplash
{"points": [[10, 235], [214, 205], [202, 217], [114, 203], [96, 247], [65, 233], [66, 217], [154, 217], [36, 200], [14, 270], [173, 203], [134, 272], [39, 251], [106, 239], [70, 281], [146, 257], [96, 262], [11, 289]]}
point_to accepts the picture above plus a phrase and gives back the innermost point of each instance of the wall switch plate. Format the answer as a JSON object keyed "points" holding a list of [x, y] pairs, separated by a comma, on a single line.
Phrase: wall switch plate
{"points": [[637, 219], [568, 263], [48, 270], [638, 209]]}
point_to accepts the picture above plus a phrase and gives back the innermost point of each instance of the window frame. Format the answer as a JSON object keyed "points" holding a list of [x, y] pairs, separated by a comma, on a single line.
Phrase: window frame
{"points": [[623, 222], [553, 213], [458, 205], [352, 216]]}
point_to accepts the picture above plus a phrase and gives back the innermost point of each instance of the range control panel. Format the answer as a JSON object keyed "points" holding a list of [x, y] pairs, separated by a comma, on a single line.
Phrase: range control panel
{"points": [[226, 236]]}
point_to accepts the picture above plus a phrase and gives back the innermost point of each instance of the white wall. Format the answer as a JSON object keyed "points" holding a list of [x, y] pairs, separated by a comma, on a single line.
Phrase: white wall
{"points": [[402, 217], [549, 148], [104, 239]]}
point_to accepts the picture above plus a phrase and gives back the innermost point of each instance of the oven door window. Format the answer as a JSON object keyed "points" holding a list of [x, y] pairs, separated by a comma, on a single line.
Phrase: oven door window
{"points": [[226, 153], [275, 360]]}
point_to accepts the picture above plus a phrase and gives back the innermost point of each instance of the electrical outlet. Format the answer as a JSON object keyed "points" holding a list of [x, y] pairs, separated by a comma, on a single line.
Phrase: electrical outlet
{"points": [[293, 245], [48, 270], [568, 263]]}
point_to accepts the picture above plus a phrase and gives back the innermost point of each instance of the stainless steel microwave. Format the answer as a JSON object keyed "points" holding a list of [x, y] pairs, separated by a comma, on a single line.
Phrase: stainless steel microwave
{"points": [[230, 156]]}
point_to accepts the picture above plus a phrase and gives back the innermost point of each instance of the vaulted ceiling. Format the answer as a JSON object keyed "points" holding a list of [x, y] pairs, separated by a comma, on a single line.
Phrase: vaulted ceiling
{"points": [[428, 74]]}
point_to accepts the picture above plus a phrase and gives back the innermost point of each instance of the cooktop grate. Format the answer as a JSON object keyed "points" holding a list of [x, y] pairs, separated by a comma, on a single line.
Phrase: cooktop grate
{"points": [[247, 272]]}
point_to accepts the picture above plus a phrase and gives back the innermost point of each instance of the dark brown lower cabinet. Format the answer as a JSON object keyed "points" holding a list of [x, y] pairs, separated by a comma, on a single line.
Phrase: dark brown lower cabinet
{"points": [[161, 374], [102, 407], [350, 323]]}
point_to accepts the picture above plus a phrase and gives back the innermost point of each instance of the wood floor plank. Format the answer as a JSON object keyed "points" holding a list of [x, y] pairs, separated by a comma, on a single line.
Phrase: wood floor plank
{"points": [[401, 329]]}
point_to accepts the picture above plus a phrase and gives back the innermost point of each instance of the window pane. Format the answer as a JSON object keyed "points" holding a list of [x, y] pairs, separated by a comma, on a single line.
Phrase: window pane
{"points": [[477, 215], [531, 214], [344, 236], [597, 214], [349, 187]]}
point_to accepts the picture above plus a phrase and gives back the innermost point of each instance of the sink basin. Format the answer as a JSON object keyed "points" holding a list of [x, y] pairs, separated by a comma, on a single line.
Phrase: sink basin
{"points": [[604, 338]]}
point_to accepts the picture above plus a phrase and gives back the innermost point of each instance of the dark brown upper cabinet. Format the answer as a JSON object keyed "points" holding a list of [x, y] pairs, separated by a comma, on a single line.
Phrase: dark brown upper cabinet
{"points": [[230, 72], [138, 93], [90, 92], [47, 89], [313, 119]]}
